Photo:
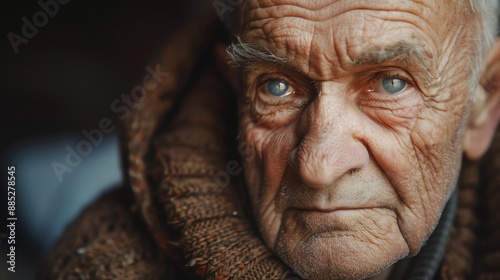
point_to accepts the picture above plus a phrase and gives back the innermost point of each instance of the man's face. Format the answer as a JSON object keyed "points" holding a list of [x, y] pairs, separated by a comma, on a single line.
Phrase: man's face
{"points": [[356, 140]]}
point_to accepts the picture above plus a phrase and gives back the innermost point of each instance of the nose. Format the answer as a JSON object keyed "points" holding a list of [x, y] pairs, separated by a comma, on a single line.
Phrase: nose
{"points": [[331, 145]]}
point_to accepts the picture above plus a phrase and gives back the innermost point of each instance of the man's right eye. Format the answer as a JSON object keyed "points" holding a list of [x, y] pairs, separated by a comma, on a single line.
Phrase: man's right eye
{"points": [[393, 85], [279, 87]]}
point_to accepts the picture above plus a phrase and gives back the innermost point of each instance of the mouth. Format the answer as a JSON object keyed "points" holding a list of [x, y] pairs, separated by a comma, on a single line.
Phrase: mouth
{"points": [[332, 220], [333, 214], [332, 209], [338, 213]]}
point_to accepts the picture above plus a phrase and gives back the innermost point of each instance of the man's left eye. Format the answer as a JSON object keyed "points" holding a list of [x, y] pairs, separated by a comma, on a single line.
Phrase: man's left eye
{"points": [[393, 85], [279, 87]]}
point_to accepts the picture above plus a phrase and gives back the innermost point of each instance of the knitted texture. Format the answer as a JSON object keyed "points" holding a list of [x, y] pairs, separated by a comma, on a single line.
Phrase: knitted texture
{"points": [[489, 250], [218, 240], [107, 242], [457, 262]]}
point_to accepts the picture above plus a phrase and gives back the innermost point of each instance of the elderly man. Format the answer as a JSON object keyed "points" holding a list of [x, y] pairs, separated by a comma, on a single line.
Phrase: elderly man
{"points": [[352, 120]]}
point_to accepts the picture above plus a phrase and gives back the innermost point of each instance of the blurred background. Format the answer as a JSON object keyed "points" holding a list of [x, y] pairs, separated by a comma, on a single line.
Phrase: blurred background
{"points": [[60, 82]]}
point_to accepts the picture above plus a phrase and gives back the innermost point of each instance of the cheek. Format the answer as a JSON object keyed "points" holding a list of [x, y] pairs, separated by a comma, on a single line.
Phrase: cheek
{"points": [[267, 152], [437, 152], [421, 161], [437, 146], [251, 148], [265, 161], [424, 160]]}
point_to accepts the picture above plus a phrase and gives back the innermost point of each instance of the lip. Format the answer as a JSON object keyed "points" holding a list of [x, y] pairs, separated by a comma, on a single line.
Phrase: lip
{"points": [[333, 209], [326, 220]]}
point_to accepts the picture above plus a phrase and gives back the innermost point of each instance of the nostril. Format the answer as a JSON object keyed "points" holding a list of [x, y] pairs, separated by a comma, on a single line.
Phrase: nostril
{"points": [[353, 171]]}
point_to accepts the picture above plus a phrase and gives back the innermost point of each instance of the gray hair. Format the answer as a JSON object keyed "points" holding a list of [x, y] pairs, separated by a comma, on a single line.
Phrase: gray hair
{"points": [[242, 53], [488, 30], [490, 11]]}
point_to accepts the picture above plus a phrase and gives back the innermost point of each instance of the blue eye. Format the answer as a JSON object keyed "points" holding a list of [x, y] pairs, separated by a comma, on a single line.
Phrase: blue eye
{"points": [[278, 87], [393, 85]]}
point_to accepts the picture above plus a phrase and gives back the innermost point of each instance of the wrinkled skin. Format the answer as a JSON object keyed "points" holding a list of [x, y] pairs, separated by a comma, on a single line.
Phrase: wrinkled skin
{"points": [[345, 178]]}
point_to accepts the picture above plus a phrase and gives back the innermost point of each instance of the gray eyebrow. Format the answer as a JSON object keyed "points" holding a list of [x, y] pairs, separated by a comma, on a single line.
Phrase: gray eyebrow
{"points": [[244, 54], [402, 50]]}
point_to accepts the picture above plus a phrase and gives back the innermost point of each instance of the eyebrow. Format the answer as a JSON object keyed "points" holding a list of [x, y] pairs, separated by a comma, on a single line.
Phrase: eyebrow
{"points": [[400, 51], [245, 54]]}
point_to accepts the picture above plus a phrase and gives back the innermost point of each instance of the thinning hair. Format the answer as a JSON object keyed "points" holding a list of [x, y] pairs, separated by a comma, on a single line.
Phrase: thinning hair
{"points": [[487, 25], [489, 9]]}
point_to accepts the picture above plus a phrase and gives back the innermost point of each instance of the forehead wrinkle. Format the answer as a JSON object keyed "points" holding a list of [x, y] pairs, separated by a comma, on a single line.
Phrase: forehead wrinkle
{"points": [[267, 28], [321, 10], [256, 13], [262, 14], [264, 28]]}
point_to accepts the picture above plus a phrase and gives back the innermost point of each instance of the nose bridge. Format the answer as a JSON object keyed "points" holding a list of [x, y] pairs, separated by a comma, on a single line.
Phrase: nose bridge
{"points": [[330, 110], [326, 116], [330, 146]]}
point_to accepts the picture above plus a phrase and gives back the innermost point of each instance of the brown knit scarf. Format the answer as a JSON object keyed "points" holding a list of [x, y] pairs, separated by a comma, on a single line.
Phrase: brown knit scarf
{"points": [[182, 133]]}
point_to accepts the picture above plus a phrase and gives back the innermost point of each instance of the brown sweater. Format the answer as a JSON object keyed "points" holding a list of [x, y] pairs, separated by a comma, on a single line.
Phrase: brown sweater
{"points": [[173, 221]]}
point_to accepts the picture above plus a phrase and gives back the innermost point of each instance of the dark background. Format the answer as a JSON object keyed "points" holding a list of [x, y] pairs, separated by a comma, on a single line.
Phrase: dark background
{"points": [[64, 80]]}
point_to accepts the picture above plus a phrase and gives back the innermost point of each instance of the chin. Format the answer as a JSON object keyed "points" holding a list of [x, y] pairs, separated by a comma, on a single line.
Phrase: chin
{"points": [[341, 257]]}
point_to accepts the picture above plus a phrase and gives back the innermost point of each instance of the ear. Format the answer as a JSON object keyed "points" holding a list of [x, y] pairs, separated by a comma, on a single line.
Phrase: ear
{"points": [[485, 114], [226, 68]]}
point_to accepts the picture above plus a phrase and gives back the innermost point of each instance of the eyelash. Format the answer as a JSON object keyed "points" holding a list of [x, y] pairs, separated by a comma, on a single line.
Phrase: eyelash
{"points": [[272, 77]]}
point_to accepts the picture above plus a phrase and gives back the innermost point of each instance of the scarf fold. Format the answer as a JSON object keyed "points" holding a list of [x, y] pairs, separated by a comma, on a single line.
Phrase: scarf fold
{"points": [[202, 217]]}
